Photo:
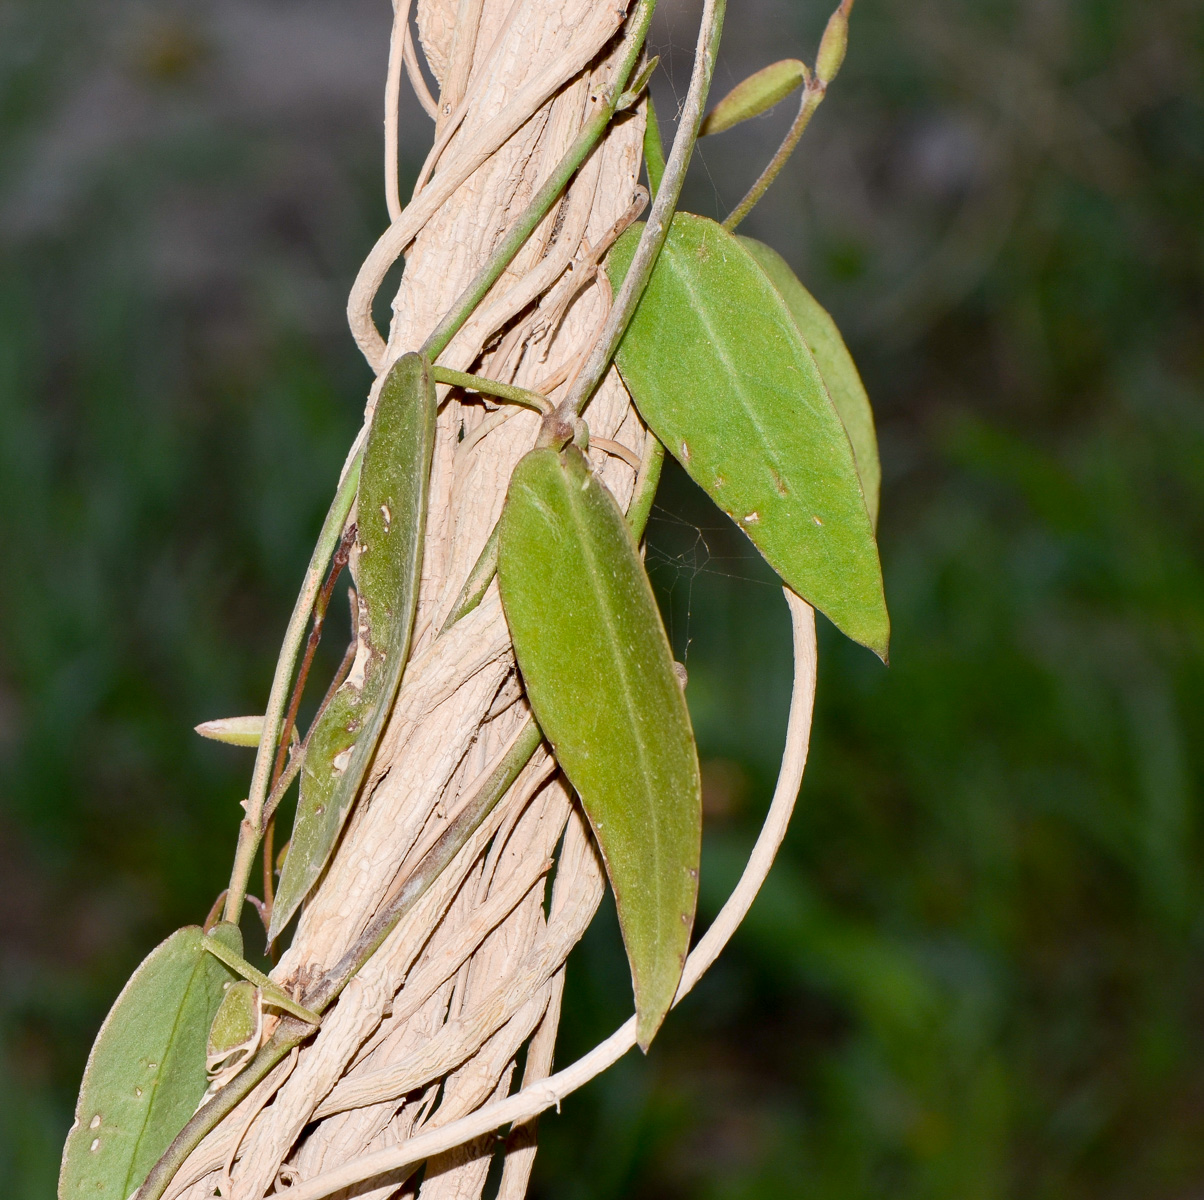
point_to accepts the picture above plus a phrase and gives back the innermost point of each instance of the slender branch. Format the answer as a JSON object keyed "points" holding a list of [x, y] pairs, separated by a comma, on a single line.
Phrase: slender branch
{"points": [[657, 228], [813, 94], [321, 604], [477, 583], [401, 25], [251, 829], [491, 387], [417, 82], [541, 204]]}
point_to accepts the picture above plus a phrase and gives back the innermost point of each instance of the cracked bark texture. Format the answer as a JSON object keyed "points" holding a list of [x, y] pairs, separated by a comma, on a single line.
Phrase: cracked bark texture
{"points": [[431, 1028]]}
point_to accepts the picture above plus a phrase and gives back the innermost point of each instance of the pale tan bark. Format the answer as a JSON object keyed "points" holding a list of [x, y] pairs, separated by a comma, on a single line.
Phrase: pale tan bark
{"points": [[430, 1029]]}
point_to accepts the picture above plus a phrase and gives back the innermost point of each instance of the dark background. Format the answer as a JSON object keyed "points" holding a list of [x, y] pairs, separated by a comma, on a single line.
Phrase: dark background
{"points": [[976, 969]]}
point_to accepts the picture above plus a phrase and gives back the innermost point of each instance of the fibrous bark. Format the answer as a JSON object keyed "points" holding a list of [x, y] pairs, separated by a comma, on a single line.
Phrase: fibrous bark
{"points": [[431, 1028]]}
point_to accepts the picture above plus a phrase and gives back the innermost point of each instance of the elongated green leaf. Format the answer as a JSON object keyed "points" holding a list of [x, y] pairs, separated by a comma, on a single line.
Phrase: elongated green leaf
{"points": [[599, 674], [835, 365], [719, 370], [146, 1073], [391, 520], [755, 95]]}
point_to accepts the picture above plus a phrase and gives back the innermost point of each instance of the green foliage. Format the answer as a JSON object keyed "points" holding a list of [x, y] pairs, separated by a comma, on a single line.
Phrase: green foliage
{"points": [[976, 970], [835, 364], [146, 1073], [391, 521], [718, 369], [597, 669]]}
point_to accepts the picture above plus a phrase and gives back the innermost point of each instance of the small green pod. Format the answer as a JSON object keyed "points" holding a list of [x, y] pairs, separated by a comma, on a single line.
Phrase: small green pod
{"points": [[755, 95], [234, 731]]}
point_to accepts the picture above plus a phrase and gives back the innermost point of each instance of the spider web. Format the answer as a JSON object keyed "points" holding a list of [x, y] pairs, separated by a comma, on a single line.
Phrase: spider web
{"points": [[680, 553]]}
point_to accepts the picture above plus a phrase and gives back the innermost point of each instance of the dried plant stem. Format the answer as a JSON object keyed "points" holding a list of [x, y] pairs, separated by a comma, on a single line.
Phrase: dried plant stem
{"points": [[397, 45], [292, 1032], [538, 1097], [586, 45], [657, 227], [541, 203]]}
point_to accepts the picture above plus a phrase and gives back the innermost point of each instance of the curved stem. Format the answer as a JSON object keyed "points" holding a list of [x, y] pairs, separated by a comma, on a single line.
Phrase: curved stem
{"points": [[813, 94], [491, 387], [657, 228], [540, 1096], [251, 829]]}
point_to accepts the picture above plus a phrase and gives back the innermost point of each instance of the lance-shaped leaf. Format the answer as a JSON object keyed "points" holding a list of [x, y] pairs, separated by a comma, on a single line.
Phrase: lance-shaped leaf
{"points": [[599, 675], [755, 95], [146, 1073], [718, 369], [835, 365], [391, 520]]}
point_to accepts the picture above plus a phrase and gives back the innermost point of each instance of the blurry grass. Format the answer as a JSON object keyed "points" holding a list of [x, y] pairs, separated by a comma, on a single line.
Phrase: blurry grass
{"points": [[976, 971]]}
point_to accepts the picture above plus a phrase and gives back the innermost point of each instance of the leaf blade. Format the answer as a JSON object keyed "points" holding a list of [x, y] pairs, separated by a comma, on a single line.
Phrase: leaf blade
{"points": [[717, 367], [391, 516], [835, 364], [146, 1071], [599, 674]]}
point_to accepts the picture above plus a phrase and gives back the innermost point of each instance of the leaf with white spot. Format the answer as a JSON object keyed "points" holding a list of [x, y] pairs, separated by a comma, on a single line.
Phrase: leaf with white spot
{"points": [[717, 367], [146, 1072], [391, 520]]}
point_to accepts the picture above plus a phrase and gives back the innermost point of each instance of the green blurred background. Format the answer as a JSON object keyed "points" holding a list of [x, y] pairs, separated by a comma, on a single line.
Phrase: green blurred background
{"points": [[976, 969]]}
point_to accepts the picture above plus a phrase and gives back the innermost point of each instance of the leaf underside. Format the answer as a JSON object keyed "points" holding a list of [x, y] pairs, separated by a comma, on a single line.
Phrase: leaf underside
{"points": [[718, 369], [835, 365], [391, 519], [146, 1072], [599, 675]]}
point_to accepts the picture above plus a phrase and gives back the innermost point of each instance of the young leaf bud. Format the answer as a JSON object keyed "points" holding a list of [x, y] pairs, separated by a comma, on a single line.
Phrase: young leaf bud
{"points": [[755, 95], [833, 44], [235, 731]]}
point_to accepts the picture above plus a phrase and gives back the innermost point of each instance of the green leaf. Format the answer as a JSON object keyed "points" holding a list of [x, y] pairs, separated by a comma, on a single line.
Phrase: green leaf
{"points": [[719, 370], [755, 95], [599, 675], [835, 365], [146, 1073], [391, 519]]}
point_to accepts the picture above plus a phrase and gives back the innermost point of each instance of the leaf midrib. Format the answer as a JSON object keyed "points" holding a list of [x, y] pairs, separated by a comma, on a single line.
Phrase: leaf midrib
{"points": [[620, 660]]}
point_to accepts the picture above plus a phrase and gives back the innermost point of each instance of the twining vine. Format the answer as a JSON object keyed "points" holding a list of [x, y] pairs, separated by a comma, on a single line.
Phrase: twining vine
{"points": [[740, 375]]}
